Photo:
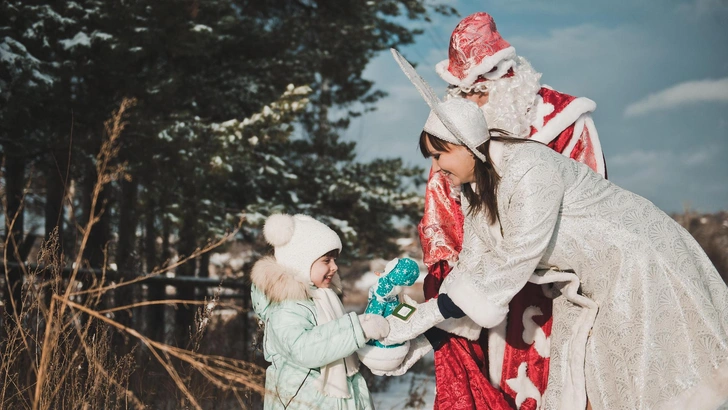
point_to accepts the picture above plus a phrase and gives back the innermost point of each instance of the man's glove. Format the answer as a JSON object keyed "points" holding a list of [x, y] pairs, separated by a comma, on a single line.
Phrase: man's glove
{"points": [[419, 347], [374, 326]]}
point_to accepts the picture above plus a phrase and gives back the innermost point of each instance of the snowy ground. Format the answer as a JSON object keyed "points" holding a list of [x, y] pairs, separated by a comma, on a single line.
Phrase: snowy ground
{"points": [[413, 390]]}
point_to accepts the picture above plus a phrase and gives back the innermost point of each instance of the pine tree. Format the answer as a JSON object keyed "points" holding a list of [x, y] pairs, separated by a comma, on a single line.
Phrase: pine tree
{"points": [[198, 69]]}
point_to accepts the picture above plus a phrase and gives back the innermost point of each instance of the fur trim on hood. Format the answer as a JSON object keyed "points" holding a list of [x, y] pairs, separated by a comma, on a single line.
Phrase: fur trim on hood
{"points": [[279, 282]]}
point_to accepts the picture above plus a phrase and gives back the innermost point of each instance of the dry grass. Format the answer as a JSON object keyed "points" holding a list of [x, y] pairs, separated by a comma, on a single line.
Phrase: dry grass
{"points": [[57, 353]]}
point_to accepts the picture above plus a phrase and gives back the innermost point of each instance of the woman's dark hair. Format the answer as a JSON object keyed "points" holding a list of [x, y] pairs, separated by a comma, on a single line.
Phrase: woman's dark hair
{"points": [[485, 196]]}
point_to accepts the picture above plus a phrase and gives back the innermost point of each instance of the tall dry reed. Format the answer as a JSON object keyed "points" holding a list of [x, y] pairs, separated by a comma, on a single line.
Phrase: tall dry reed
{"points": [[57, 348]]}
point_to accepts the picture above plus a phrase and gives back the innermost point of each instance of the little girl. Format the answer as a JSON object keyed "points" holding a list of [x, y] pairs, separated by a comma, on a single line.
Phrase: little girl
{"points": [[309, 340]]}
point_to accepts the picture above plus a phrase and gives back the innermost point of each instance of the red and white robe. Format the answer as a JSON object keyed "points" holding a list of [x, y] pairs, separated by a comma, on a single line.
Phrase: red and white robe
{"points": [[505, 367]]}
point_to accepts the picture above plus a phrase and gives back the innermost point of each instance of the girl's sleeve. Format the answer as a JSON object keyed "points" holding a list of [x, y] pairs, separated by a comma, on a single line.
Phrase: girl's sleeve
{"points": [[484, 280], [312, 346]]}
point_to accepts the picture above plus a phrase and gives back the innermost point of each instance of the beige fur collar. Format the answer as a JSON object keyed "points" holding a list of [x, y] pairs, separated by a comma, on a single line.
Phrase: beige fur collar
{"points": [[279, 283]]}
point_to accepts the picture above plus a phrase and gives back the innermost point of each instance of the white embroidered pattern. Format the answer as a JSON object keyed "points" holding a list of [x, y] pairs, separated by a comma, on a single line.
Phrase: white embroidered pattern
{"points": [[426, 315], [662, 323]]}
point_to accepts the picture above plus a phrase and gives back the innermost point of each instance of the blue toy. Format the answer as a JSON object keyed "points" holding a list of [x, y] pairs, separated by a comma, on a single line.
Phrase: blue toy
{"points": [[384, 295], [383, 299]]}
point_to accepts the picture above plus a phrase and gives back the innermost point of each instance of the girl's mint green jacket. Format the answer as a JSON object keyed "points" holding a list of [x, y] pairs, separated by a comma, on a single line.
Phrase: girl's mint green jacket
{"points": [[297, 347]]}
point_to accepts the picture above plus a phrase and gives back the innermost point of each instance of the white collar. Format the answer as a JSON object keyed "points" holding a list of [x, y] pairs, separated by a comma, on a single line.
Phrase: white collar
{"points": [[496, 154]]}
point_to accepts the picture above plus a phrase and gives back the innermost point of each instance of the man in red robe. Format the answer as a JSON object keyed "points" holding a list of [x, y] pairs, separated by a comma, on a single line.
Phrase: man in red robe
{"points": [[505, 367]]}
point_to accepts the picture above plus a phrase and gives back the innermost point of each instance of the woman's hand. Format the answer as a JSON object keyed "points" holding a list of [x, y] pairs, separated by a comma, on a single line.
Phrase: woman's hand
{"points": [[419, 347], [425, 316]]}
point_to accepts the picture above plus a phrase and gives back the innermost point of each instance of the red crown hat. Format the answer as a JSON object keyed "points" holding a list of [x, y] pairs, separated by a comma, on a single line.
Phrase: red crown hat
{"points": [[476, 49]]}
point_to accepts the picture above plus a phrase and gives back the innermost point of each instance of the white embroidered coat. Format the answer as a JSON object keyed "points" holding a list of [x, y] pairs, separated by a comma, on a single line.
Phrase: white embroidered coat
{"points": [[648, 327]]}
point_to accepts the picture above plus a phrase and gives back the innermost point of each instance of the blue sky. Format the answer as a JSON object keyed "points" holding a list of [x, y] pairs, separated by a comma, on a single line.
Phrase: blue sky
{"points": [[657, 69]]}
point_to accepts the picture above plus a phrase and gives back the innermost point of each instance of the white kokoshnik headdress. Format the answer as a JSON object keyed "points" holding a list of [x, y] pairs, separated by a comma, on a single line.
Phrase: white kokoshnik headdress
{"points": [[457, 121]]}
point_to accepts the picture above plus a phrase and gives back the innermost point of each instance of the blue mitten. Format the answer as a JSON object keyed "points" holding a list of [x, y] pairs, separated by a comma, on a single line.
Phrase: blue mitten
{"points": [[384, 295]]}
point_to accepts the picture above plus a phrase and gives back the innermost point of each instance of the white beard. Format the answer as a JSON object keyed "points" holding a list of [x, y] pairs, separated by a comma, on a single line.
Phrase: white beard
{"points": [[510, 100]]}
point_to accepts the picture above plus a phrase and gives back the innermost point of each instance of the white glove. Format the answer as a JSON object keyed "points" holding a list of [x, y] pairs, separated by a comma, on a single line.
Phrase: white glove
{"points": [[374, 326], [418, 348], [426, 316]]}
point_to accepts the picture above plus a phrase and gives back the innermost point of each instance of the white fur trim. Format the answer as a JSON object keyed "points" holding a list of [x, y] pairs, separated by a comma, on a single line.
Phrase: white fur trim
{"points": [[585, 122], [463, 327], [496, 352], [481, 87], [709, 394], [502, 68], [445, 74], [563, 119], [578, 130], [277, 282], [278, 229], [475, 305], [524, 387], [472, 74], [534, 334], [573, 395], [390, 265], [382, 359]]}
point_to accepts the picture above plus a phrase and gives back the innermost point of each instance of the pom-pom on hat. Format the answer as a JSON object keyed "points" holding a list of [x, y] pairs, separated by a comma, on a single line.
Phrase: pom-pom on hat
{"points": [[298, 241], [476, 49]]}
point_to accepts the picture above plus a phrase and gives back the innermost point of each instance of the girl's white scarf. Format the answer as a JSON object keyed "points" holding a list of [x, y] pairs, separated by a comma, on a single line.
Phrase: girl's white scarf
{"points": [[332, 381]]}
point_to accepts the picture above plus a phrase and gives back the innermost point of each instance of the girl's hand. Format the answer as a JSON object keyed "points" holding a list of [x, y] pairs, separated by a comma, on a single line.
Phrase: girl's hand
{"points": [[374, 326]]}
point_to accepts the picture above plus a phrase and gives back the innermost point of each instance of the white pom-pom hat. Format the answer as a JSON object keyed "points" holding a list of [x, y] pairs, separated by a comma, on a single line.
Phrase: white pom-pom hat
{"points": [[298, 241]]}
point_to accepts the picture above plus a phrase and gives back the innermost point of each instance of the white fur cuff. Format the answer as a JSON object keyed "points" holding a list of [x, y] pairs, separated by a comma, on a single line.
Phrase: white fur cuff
{"points": [[475, 305], [463, 327]]}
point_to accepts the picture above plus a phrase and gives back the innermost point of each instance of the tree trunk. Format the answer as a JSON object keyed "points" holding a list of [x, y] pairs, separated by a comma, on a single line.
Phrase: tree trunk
{"points": [[187, 245], [95, 251], [56, 179], [99, 235], [185, 314], [14, 186], [204, 272], [155, 318], [125, 260]]}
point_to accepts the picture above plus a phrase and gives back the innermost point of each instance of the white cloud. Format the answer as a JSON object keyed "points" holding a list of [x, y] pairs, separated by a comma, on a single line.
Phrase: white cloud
{"points": [[590, 60], [689, 92], [670, 179], [702, 8], [586, 43], [662, 159], [566, 7]]}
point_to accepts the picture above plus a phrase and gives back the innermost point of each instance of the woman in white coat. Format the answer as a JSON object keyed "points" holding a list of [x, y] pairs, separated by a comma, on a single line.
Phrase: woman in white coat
{"points": [[640, 313]]}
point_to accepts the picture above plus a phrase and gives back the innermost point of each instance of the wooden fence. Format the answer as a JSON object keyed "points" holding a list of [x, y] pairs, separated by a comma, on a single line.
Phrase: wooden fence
{"points": [[153, 287]]}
